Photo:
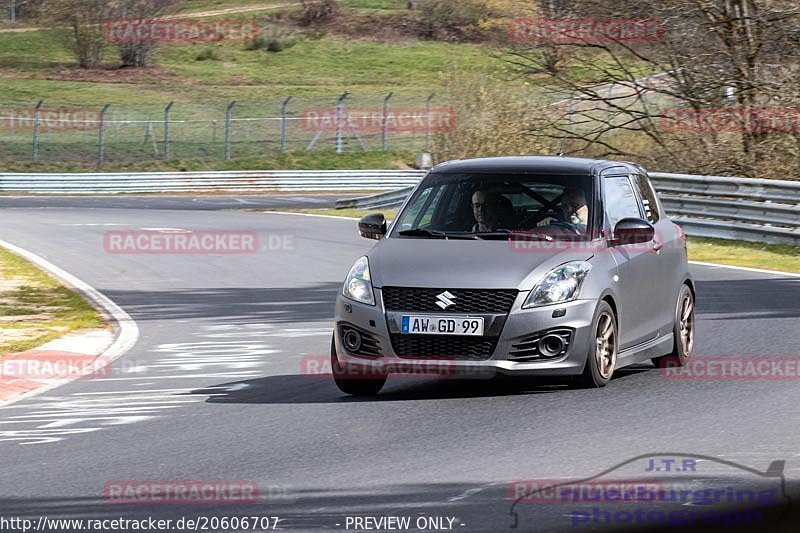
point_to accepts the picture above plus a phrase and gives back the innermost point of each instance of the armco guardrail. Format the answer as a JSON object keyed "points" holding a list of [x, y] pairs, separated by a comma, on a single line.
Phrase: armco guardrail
{"points": [[233, 181], [732, 208], [376, 201], [706, 206]]}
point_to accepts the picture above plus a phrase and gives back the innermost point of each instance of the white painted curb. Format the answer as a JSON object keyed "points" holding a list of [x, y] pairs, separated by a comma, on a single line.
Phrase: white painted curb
{"points": [[128, 330]]}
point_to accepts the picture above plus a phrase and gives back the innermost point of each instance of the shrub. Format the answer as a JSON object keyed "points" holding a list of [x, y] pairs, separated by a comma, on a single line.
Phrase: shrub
{"points": [[451, 19], [316, 12], [207, 54]]}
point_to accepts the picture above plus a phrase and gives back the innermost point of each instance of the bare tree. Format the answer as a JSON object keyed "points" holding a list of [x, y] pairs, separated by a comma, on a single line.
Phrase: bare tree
{"points": [[85, 19], [735, 54]]}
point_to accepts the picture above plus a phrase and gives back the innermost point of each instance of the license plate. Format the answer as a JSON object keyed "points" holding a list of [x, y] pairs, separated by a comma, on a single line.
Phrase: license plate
{"points": [[441, 325]]}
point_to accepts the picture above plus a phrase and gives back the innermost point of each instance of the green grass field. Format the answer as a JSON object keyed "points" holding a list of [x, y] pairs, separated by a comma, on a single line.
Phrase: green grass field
{"points": [[35, 308]]}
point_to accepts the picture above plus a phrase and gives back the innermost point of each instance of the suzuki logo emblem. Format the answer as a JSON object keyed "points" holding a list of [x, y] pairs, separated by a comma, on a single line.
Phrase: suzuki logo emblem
{"points": [[445, 300]]}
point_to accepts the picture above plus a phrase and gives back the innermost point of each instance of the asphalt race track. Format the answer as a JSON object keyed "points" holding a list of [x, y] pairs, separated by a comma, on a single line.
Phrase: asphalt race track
{"points": [[217, 389]]}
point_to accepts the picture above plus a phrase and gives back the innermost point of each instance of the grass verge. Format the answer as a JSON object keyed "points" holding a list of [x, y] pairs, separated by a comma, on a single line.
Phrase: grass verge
{"points": [[348, 213], [781, 257], [35, 308]]}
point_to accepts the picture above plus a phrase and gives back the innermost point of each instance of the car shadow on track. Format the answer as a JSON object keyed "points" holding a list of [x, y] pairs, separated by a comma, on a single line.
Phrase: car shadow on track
{"points": [[305, 389]]}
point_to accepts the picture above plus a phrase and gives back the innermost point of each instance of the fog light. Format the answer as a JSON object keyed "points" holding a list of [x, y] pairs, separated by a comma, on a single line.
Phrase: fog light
{"points": [[352, 340], [551, 345]]}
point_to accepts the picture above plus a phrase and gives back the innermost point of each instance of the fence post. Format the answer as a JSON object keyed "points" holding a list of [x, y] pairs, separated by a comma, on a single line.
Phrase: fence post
{"points": [[339, 125], [101, 156], [385, 123], [428, 122], [36, 131], [228, 123], [283, 123], [167, 150], [13, 11]]}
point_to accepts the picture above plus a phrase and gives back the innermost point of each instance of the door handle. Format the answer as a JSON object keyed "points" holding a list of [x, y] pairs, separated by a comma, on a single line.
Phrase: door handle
{"points": [[658, 246]]}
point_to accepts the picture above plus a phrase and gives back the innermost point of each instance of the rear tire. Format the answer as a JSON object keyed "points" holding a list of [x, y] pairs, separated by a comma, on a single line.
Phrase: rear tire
{"points": [[354, 386], [683, 330], [602, 357]]}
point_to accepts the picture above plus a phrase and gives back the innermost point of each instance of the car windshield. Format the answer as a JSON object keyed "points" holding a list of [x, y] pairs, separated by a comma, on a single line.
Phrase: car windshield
{"points": [[472, 206]]}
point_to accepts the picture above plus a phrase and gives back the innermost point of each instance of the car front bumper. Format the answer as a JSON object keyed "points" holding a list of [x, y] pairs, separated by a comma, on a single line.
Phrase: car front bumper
{"points": [[518, 325]]}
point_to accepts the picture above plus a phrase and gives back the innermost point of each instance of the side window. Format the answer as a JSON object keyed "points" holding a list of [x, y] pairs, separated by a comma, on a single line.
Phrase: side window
{"points": [[425, 215], [413, 210], [620, 201], [648, 195]]}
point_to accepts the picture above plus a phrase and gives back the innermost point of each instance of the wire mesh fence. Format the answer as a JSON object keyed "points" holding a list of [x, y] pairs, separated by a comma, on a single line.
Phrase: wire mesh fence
{"points": [[57, 132]]}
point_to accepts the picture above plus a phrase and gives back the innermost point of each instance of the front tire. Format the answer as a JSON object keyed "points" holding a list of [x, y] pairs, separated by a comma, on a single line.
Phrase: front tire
{"points": [[602, 357], [683, 330], [350, 384]]}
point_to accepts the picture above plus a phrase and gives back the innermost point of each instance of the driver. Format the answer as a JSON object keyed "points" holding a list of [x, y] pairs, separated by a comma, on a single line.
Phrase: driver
{"points": [[484, 208], [492, 212], [572, 210]]}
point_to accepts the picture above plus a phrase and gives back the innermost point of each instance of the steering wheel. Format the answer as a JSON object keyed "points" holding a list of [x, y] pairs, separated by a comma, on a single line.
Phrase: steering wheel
{"points": [[566, 226], [535, 218]]}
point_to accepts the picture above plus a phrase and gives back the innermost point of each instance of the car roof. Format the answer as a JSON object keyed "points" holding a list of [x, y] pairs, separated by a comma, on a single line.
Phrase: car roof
{"points": [[529, 165]]}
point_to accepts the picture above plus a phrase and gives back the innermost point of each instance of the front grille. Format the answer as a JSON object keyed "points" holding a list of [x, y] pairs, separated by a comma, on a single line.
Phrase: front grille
{"points": [[443, 347], [466, 300]]}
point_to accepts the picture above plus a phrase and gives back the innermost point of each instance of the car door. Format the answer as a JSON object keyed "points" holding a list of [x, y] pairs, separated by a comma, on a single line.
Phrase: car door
{"points": [[669, 250], [637, 285]]}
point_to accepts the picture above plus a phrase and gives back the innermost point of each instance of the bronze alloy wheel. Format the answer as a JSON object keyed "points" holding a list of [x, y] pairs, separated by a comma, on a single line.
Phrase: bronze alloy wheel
{"points": [[686, 323], [606, 345]]}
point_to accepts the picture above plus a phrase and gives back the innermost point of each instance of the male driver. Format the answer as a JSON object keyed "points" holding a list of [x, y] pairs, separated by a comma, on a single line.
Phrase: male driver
{"points": [[485, 209], [573, 210]]}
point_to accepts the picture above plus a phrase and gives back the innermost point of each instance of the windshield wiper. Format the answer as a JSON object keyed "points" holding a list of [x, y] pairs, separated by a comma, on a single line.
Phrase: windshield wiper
{"points": [[507, 233], [433, 234]]}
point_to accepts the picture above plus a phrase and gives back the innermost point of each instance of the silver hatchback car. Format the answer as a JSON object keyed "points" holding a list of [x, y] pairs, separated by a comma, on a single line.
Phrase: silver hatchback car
{"points": [[517, 265]]}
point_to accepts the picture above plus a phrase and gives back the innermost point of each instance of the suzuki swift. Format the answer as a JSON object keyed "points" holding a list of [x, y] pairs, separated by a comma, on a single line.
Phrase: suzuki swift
{"points": [[539, 266]]}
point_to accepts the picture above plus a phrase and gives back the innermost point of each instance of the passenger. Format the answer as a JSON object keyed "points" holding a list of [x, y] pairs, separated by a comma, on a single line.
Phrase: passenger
{"points": [[573, 210]]}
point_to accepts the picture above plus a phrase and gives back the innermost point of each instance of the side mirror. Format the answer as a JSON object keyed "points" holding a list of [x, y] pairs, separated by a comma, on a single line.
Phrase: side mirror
{"points": [[372, 226], [632, 231]]}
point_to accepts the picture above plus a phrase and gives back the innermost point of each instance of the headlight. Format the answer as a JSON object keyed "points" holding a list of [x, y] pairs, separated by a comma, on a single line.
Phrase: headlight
{"points": [[562, 284], [358, 284]]}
